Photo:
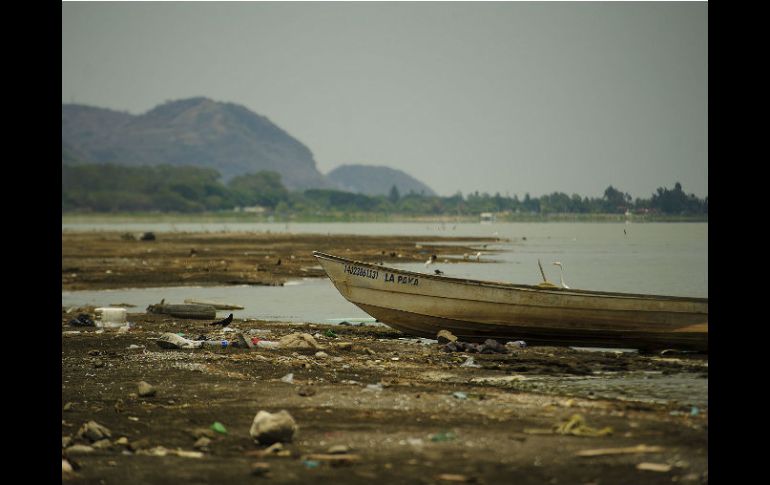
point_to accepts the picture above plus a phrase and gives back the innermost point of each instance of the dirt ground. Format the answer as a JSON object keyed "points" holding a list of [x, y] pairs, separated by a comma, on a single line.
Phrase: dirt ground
{"points": [[413, 430], [103, 260], [405, 411]]}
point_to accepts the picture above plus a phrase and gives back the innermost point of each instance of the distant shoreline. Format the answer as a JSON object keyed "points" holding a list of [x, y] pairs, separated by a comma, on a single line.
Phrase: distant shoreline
{"points": [[233, 217]]}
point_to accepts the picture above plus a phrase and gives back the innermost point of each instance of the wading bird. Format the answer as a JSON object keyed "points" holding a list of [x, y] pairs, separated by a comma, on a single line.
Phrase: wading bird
{"points": [[430, 260], [561, 274]]}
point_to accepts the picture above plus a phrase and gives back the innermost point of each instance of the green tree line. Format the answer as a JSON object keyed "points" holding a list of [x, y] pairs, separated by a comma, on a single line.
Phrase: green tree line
{"points": [[164, 188]]}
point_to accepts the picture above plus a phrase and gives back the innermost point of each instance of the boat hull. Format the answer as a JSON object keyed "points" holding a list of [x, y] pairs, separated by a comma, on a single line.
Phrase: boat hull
{"points": [[421, 304]]}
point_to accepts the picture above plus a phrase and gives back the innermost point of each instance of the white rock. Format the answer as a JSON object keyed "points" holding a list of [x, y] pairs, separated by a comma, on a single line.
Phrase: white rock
{"points": [[268, 428]]}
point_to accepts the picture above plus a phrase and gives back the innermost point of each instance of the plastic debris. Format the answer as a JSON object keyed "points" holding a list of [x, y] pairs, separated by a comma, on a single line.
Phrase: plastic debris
{"points": [[518, 344], [373, 387], [443, 436], [311, 463], [330, 333], [460, 395], [288, 378], [82, 320], [445, 336], [173, 341], [576, 426], [469, 363], [620, 451], [219, 427], [654, 467]]}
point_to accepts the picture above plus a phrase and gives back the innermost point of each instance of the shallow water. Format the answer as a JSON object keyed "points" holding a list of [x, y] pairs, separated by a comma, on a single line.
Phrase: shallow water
{"points": [[653, 258]]}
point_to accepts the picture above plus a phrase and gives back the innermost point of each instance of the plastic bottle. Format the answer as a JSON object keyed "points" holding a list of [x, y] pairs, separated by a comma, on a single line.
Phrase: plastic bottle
{"points": [[216, 343]]}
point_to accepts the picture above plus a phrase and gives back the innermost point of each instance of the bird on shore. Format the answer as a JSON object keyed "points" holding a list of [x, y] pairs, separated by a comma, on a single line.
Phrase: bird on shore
{"points": [[478, 255], [224, 322], [439, 272], [431, 260], [561, 274]]}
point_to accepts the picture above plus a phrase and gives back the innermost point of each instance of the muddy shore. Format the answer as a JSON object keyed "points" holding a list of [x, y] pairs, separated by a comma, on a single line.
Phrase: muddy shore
{"points": [[404, 411], [108, 260], [407, 412]]}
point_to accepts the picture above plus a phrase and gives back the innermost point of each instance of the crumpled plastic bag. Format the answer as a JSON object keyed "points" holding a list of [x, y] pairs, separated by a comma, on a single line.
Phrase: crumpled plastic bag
{"points": [[174, 341]]}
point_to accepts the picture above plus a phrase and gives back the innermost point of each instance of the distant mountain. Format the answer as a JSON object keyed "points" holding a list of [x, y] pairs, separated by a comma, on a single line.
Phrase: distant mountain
{"points": [[196, 131], [376, 180]]}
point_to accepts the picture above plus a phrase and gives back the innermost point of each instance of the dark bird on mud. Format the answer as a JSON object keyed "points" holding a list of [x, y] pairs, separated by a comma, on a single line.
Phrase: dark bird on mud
{"points": [[279, 262], [438, 271], [224, 322]]}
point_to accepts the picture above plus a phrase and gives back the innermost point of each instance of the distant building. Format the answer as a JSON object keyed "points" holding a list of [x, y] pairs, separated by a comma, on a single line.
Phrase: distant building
{"points": [[487, 217]]}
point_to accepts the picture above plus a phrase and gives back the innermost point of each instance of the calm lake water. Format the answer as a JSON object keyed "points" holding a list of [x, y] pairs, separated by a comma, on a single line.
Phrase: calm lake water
{"points": [[651, 258]]}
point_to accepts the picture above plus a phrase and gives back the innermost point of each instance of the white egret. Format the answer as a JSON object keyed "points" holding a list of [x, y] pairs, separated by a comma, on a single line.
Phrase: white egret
{"points": [[430, 260], [561, 274]]}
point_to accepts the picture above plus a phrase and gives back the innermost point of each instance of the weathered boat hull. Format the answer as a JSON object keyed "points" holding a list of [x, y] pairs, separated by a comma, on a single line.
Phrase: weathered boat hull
{"points": [[421, 304]]}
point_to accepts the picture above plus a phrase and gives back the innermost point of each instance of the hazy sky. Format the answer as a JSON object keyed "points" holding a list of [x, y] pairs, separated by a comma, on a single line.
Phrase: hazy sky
{"points": [[508, 97]]}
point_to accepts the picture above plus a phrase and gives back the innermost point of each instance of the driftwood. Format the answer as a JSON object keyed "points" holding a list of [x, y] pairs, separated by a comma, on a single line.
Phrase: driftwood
{"points": [[215, 304], [199, 312]]}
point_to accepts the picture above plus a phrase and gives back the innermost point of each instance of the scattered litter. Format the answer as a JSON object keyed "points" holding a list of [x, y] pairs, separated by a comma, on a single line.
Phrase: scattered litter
{"points": [[460, 395], [82, 320], [219, 427], [694, 411], [288, 378], [453, 477], [470, 363], [654, 467], [311, 463], [518, 344], [373, 387], [330, 333], [577, 426], [621, 451], [173, 341], [298, 341], [111, 317], [419, 340], [445, 336], [265, 344], [443, 436]]}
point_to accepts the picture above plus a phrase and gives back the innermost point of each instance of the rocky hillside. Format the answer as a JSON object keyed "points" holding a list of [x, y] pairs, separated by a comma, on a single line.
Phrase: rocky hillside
{"points": [[376, 180], [197, 131]]}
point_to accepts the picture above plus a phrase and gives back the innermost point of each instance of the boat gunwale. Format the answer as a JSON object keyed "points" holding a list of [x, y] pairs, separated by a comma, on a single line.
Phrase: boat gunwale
{"points": [[516, 286]]}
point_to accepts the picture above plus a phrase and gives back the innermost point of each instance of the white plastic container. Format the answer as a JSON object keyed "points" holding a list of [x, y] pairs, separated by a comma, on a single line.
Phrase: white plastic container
{"points": [[111, 317]]}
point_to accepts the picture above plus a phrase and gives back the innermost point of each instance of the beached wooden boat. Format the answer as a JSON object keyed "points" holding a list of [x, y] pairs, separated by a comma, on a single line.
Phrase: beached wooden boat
{"points": [[422, 304]]}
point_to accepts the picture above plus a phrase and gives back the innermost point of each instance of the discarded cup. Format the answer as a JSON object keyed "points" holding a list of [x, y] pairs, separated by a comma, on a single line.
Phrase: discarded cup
{"points": [[111, 317]]}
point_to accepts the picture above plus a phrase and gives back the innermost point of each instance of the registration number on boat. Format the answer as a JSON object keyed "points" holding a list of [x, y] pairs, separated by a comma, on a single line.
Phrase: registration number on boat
{"points": [[359, 271]]}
